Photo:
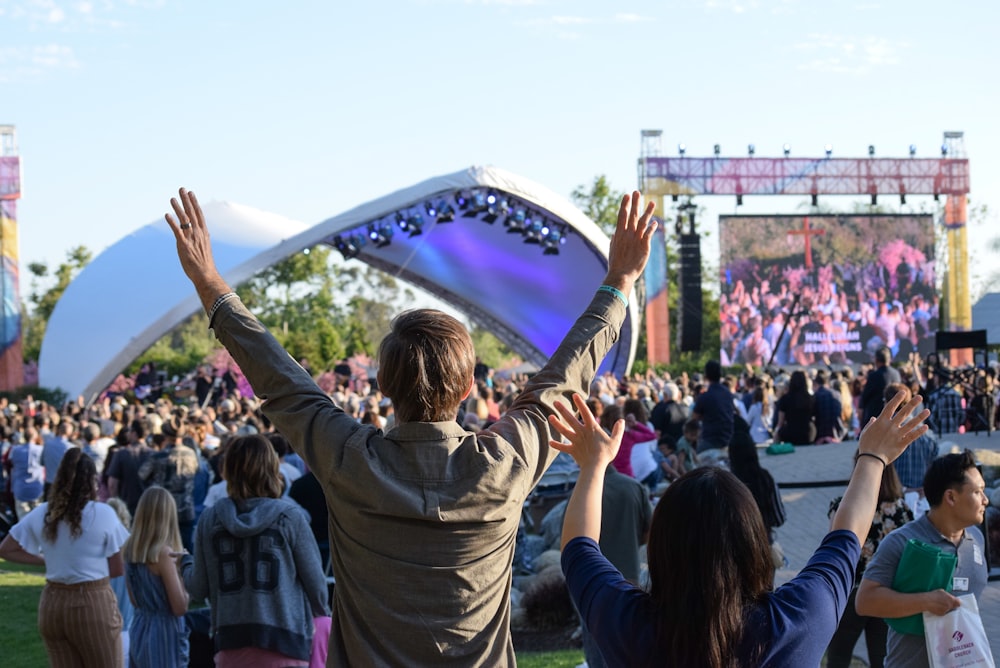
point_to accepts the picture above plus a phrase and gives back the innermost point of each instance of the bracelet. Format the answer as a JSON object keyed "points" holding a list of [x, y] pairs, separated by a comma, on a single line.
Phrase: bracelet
{"points": [[872, 454], [616, 292], [219, 301]]}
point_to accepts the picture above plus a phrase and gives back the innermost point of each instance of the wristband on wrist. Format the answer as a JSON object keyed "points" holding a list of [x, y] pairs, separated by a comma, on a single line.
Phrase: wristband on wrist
{"points": [[872, 454], [219, 301], [616, 292]]}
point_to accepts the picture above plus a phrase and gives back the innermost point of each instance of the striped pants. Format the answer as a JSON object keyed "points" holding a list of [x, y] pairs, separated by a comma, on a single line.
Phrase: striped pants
{"points": [[81, 625]]}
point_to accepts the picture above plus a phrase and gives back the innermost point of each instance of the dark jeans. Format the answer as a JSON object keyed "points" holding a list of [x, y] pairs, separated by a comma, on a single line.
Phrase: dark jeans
{"points": [[187, 535], [841, 648]]}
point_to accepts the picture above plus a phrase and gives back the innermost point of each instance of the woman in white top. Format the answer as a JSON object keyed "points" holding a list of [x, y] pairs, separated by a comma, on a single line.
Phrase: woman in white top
{"points": [[79, 542]]}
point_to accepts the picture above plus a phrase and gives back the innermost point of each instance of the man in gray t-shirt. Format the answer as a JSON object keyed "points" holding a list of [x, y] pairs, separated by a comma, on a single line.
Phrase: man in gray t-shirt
{"points": [[955, 491]]}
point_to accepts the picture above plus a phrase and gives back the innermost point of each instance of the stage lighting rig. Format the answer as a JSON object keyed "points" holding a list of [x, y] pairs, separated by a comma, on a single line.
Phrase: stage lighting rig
{"points": [[871, 150], [496, 206], [913, 150], [535, 230], [516, 221], [717, 150], [445, 212], [477, 204], [380, 234], [681, 149], [349, 247], [787, 149], [751, 149], [829, 150], [415, 224], [553, 240]]}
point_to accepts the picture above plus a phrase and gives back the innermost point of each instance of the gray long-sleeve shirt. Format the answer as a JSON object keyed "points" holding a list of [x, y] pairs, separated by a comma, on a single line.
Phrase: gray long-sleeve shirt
{"points": [[423, 518]]}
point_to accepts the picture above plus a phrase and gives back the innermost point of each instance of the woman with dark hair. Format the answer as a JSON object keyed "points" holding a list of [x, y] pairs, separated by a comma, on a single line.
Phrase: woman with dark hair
{"points": [[257, 563], [795, 412], [745, 465], [710, 601], [891, 513], [79, 541]]}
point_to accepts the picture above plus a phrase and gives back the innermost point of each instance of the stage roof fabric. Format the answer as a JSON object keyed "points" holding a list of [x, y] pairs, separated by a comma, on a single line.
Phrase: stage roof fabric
{"points": [[135, 292]]}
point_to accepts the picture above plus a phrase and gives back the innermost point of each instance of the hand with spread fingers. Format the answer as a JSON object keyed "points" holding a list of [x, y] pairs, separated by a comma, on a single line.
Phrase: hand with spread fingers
{"points": [[895, 428], [630, 243], [194, 248], [593, 450]]}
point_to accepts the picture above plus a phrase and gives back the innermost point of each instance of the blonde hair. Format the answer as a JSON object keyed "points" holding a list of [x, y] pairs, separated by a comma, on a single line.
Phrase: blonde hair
{"points": [[124, 516], [154, 526]]}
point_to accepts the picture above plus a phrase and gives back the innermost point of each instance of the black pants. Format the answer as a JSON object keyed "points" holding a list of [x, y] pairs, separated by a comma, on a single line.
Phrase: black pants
{"points": [[841, 649]]}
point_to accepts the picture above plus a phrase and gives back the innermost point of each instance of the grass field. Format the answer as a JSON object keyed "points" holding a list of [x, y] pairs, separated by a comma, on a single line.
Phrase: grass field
{"points": [[20, 587], [21, 646]]}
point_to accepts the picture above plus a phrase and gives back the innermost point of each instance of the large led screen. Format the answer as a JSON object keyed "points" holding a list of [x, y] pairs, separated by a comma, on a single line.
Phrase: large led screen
{"points": [[826, 289]]}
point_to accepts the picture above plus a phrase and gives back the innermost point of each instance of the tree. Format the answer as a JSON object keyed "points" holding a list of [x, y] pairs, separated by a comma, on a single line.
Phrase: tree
{"points": [[600, 202], [44, 301]]}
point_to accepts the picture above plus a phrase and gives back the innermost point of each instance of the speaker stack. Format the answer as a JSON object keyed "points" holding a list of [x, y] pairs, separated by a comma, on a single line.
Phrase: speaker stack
{"points": [[689, 304]]}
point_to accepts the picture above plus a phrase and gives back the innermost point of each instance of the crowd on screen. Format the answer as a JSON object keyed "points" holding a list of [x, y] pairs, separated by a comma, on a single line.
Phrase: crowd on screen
{"points": [[788, 315]]}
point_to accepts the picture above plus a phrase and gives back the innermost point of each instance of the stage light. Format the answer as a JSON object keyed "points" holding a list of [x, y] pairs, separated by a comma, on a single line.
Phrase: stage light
{"points": [[533, 230], [348, 247], [553, 240], [415, 224], [461, 201], [430, 209], [750, 149], [874, 199], [515, 222], [446, 213], [496, 206], [937, 197], [871, 150], [829, 150], [739, 199], [380, 234], [673, 198], [913, 150], [815, 199], [944, 150], [787, 148], [717, 150], [902, 198], [681, 148], [401, 220], [476, 204]]}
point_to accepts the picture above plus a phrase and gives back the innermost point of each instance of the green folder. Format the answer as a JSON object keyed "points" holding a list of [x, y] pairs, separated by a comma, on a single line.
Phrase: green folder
{"points": [[922, 568]]}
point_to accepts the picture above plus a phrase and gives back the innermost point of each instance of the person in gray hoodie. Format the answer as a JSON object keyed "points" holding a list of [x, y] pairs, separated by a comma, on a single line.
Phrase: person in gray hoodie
{"points": [[257, 564]]}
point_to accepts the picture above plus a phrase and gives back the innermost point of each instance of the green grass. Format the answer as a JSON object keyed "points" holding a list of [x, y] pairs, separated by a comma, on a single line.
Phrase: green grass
{"points": [[20, 588], [567, 658]]}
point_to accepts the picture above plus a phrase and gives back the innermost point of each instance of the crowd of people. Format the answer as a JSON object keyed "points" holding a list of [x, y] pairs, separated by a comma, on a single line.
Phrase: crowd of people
{"points": [[408, 492]]}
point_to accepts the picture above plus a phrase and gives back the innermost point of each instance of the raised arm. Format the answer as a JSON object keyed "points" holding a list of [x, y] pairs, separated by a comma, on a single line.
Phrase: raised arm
{"points": [[592, 449], [194, 249], [572, 367], [884, 438]]}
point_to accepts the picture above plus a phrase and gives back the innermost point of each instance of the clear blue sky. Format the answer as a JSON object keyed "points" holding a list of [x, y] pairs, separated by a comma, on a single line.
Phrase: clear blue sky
{"points": [[309, 108]]}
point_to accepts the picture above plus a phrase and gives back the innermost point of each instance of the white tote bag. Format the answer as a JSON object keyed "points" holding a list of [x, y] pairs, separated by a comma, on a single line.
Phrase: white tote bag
{"points": [[958, 639]]}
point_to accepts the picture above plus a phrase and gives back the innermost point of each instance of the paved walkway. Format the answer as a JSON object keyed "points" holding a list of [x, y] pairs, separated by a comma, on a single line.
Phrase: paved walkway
{"points": [[806, 508]]}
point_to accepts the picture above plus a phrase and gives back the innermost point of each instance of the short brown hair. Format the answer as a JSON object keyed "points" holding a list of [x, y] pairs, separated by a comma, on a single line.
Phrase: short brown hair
{"points": [[251, 469], [425, 365]]}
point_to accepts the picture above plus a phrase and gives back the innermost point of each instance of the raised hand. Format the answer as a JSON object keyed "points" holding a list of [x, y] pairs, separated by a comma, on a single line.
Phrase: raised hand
{"points": [[589, 445], [895, 428], [194, 247], [630, 243]]}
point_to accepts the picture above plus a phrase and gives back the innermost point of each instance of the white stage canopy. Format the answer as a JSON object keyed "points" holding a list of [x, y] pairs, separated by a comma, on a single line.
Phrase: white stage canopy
{"points": [[515, 257]]}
